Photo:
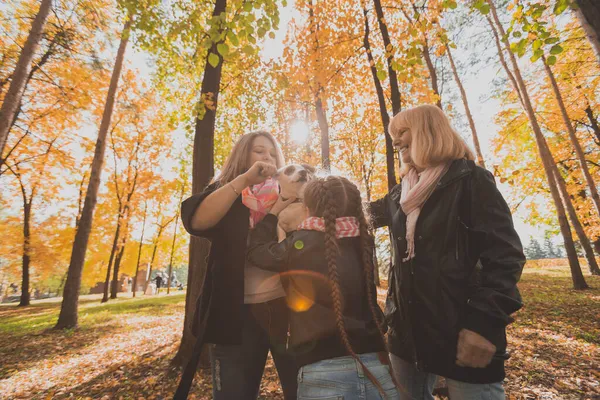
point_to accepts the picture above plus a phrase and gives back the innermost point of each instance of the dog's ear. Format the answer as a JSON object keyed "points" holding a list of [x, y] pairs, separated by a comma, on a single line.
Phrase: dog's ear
{"points": [[309, 168]]}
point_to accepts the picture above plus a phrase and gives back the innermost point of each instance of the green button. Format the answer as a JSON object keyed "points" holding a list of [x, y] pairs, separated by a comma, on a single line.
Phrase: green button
{"points": [[299, 244]]}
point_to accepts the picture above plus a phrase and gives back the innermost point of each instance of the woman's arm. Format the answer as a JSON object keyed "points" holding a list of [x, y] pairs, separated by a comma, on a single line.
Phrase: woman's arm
{"points": [[379, 210], [214, 207], [501, 256], [263, 249]]}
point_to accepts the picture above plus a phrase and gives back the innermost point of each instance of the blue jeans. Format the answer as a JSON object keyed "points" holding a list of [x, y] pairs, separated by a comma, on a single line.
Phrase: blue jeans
{"points": [[343, 378], [237, 369], [418, 385]]}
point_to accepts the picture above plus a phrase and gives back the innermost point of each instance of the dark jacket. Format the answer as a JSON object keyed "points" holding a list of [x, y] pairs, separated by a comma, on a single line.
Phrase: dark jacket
{"points": [[301, 260], [464, 274], [219, 309]]}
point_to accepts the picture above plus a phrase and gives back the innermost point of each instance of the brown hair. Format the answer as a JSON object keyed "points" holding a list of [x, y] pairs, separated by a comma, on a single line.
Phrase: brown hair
{"points": [[237, 162], [434, 141], [330, 198]]}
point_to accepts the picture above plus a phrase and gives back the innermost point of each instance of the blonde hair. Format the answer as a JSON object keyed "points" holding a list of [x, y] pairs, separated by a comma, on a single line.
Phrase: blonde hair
{"points": [[434, 141], [238, 161]]}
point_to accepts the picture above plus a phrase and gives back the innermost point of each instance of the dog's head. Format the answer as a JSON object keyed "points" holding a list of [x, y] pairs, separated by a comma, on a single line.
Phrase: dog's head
{"points": [[292, 179]]}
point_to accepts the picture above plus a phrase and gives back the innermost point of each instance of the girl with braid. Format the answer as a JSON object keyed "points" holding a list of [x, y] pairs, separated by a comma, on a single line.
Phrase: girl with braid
{"points": [[327, 271]]}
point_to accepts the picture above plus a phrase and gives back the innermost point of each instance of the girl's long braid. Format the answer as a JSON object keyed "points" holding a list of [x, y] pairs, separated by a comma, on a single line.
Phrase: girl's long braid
{"points": [[367, 261], [332, 204]]}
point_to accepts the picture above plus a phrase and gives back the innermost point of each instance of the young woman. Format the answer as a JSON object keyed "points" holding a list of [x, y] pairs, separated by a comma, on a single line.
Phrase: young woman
{"points": [[242, 311], [457, 260], [326, 263]]}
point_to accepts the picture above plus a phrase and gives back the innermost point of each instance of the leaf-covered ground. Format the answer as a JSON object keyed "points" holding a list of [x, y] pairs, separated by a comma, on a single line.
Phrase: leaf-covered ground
{"points": [[122, 349]]}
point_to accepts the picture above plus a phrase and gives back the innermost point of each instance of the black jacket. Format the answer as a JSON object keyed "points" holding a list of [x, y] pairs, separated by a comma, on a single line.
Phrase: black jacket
{"points": [[301, 260], [464, 274], [219, 309]]}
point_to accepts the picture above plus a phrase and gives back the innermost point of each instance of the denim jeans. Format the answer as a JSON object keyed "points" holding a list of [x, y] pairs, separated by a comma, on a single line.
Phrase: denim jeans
{"points": [[237, 369], [418, 385], [344, 378]]}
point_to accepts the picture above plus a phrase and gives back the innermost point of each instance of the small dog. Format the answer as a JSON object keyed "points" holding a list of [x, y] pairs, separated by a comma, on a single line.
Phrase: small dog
{"points": [[292, 180]]}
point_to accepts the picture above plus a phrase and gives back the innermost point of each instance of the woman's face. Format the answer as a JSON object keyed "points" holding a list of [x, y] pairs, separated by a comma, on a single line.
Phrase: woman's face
{"points": [[402, 140], [263, 150]]}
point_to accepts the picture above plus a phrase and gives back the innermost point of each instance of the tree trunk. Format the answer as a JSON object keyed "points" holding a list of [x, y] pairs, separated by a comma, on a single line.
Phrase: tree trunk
{"points": [[126, 215], [385, 117], [465, 101], [583, 239], [114, 289], [319, 109], [432, 74], [17, 85], [573, 136], [137, 264], [593, 123], [387, 43], [324, 127], [395, 95], [548, 163], [588, 14], [25, 295], [202, 173], [111, 258], [68, 312], [172, 252], [150, 266]]}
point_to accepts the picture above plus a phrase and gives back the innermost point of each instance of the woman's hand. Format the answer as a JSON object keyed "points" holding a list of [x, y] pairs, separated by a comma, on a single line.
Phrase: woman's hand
{"points": [[258, 173], [474, 350], [280, 205]]}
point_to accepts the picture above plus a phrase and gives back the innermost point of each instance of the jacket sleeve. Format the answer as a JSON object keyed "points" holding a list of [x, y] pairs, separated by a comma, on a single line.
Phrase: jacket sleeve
{"points": [[379, 210], [501, 256], [189, 207], [263, 249]]}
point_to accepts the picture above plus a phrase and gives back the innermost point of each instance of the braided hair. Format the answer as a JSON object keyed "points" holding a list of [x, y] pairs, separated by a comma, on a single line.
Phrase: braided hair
{"points": [[330, 198]]}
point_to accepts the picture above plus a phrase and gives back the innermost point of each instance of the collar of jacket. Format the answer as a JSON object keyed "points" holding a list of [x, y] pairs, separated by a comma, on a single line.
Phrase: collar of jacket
{"points": [[458, 169]]}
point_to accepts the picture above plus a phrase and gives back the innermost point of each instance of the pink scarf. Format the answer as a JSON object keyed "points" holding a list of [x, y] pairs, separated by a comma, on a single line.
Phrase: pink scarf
{"points": [[415, 192], [344, 226], [259, 199]]}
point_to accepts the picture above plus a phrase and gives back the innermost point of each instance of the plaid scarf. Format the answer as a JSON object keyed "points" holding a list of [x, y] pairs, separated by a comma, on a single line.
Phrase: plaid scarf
{"points": [[344, 226], [259, 199]]}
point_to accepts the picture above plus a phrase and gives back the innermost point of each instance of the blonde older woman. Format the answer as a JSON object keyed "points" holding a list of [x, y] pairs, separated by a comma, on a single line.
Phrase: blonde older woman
{"points": [[242, 311], [457, 260]]}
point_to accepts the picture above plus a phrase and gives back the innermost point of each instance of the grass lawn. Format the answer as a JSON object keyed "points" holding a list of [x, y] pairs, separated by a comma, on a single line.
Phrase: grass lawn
{"points": [[123, 348]]}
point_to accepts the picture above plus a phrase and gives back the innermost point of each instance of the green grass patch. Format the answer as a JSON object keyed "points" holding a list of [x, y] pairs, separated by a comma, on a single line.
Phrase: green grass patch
{"points": [[18, 321]]}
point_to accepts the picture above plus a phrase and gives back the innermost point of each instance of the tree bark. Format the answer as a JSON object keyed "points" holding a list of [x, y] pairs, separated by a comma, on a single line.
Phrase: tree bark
{"points": [[17, 85], [432, 74], [172, 252], [548, 163], [319, 108], [154, 250], [387, 43], [111, 258], [114, 289], [584, 241], [324, 127], [588, 14], [385, 117], [465, 101], [68, 313], [593, 123], [25, 295], [202, 173], [573, 136], [137, 264]]}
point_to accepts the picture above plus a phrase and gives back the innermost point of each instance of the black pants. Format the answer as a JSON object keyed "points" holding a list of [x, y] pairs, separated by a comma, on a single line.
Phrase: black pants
{"points": [[237, 369]]}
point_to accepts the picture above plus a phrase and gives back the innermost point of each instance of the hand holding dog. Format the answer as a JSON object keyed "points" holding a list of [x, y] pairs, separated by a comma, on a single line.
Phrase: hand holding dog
{"points": [[474, 350], [259, 172], [280, 205]]}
